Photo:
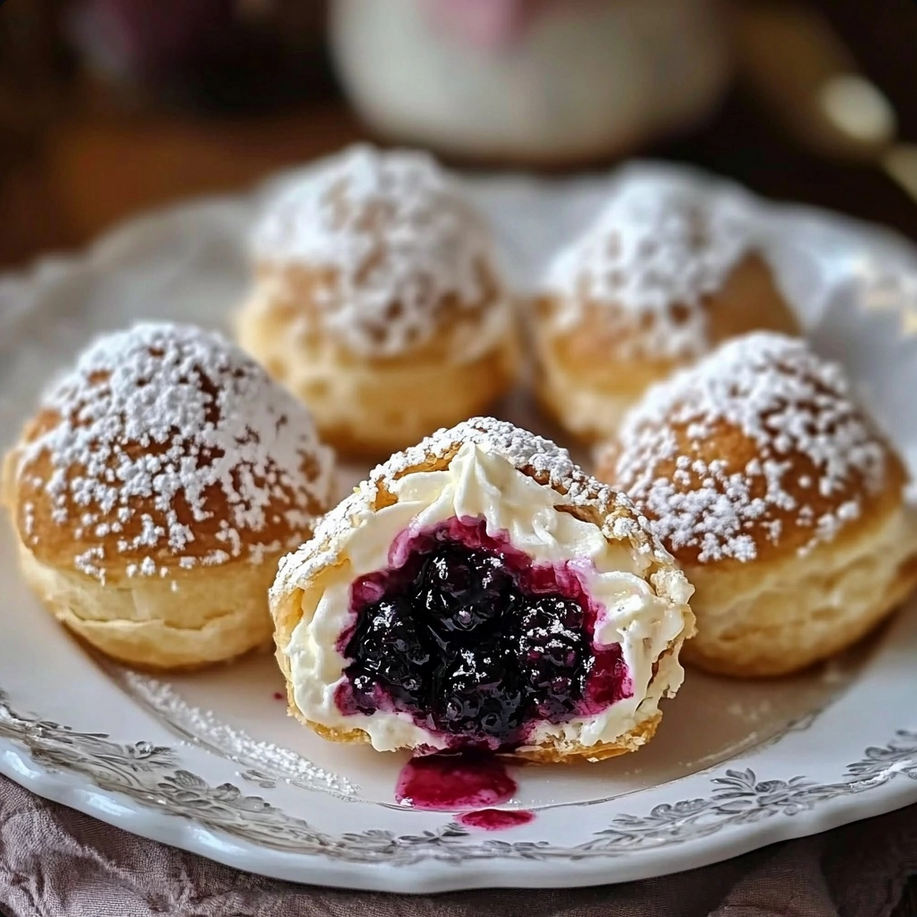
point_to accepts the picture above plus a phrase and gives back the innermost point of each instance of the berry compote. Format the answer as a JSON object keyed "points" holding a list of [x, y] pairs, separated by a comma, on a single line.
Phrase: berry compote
{"points": [[475, 641]]}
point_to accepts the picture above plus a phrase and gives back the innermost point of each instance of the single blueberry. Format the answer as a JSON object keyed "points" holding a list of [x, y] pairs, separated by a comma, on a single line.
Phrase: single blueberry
{"points": [[461, 591], [479, 693]]}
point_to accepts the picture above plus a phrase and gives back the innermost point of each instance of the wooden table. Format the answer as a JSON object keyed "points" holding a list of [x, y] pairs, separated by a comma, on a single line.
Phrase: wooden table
{"points": [[96, 166]]}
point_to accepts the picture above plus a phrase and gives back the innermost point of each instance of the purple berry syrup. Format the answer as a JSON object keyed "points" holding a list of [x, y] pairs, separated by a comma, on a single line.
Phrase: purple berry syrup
{"points": [[465, 781], [476, 642], [495, 819], [470, 781]]}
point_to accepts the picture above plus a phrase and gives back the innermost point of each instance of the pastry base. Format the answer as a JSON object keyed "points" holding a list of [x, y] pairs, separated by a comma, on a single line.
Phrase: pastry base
{"points": [[391, 409], [587, 383], [782, 615], [548, 754], [211, 615], [375, 408]]}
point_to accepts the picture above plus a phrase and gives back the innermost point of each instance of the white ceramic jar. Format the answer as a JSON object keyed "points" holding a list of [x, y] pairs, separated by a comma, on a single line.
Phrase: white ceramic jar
{"points": [[582, 79]]}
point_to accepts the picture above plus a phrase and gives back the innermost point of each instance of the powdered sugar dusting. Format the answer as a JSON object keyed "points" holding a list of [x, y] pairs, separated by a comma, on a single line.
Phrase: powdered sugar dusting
{"points": [[524, 450], [650, 260], [167, 447], [268, 760], [394, 241], [793, 407]]}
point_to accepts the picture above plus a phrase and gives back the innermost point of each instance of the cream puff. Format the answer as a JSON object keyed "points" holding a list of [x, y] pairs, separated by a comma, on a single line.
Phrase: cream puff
{"points": [[155, 490], [779, 499], [378, 301], [666, 272], [480, 591]]}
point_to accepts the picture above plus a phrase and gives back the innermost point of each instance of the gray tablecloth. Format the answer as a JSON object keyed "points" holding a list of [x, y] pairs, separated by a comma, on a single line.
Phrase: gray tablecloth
{"points": [[55, 862]]}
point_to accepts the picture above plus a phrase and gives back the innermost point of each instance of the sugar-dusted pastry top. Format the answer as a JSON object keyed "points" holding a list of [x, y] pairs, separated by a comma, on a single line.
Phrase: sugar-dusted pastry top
{"points": [[647, 264], [758, 447], [166, 447], [532, 455], [393, 247]]}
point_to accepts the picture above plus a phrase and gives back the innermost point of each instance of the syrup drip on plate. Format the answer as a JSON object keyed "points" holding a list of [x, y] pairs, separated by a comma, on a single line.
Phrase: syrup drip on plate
{"points": [[495, 819], [454, 782], [468, 781]]}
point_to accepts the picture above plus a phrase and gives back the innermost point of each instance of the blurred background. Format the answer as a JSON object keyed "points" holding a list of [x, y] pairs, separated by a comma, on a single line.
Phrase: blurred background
{"points": [[110, 107]]}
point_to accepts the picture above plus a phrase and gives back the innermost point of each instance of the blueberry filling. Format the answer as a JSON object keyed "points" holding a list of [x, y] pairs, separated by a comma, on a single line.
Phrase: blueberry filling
{"points": [[463, 591], [555, 655], [474, 641]]}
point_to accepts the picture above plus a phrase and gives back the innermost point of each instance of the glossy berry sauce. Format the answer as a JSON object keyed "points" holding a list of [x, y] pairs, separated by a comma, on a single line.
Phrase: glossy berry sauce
{"points": [[474, 641], [468, 780], [464, 781], [495, 819]]}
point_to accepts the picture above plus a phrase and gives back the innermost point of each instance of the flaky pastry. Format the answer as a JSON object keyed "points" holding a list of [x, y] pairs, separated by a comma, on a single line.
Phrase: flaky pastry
{"points": [[155, 490], [777, 496], [377, 300]]}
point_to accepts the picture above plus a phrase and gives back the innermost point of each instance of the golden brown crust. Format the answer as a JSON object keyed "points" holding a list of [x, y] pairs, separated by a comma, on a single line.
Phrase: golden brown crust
{"points": [[371, 405], [411, 404], [727, 444], [606, 352], [165, 447], [592, 754], [592, 351], [290, 307], [194, 619], [57, 541], [787, 657], [789, 614]]}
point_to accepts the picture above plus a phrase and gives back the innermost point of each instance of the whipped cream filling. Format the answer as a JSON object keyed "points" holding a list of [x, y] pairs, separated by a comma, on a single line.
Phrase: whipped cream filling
{"points": [[480, 484]]}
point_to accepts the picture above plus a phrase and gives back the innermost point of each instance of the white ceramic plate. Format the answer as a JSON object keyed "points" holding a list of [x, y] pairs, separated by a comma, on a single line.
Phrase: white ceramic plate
{"points": [[210, 762]]}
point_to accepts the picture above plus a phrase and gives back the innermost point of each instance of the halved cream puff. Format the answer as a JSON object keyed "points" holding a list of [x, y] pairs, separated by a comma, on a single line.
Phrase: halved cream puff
{"points": [[481, 591]]}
